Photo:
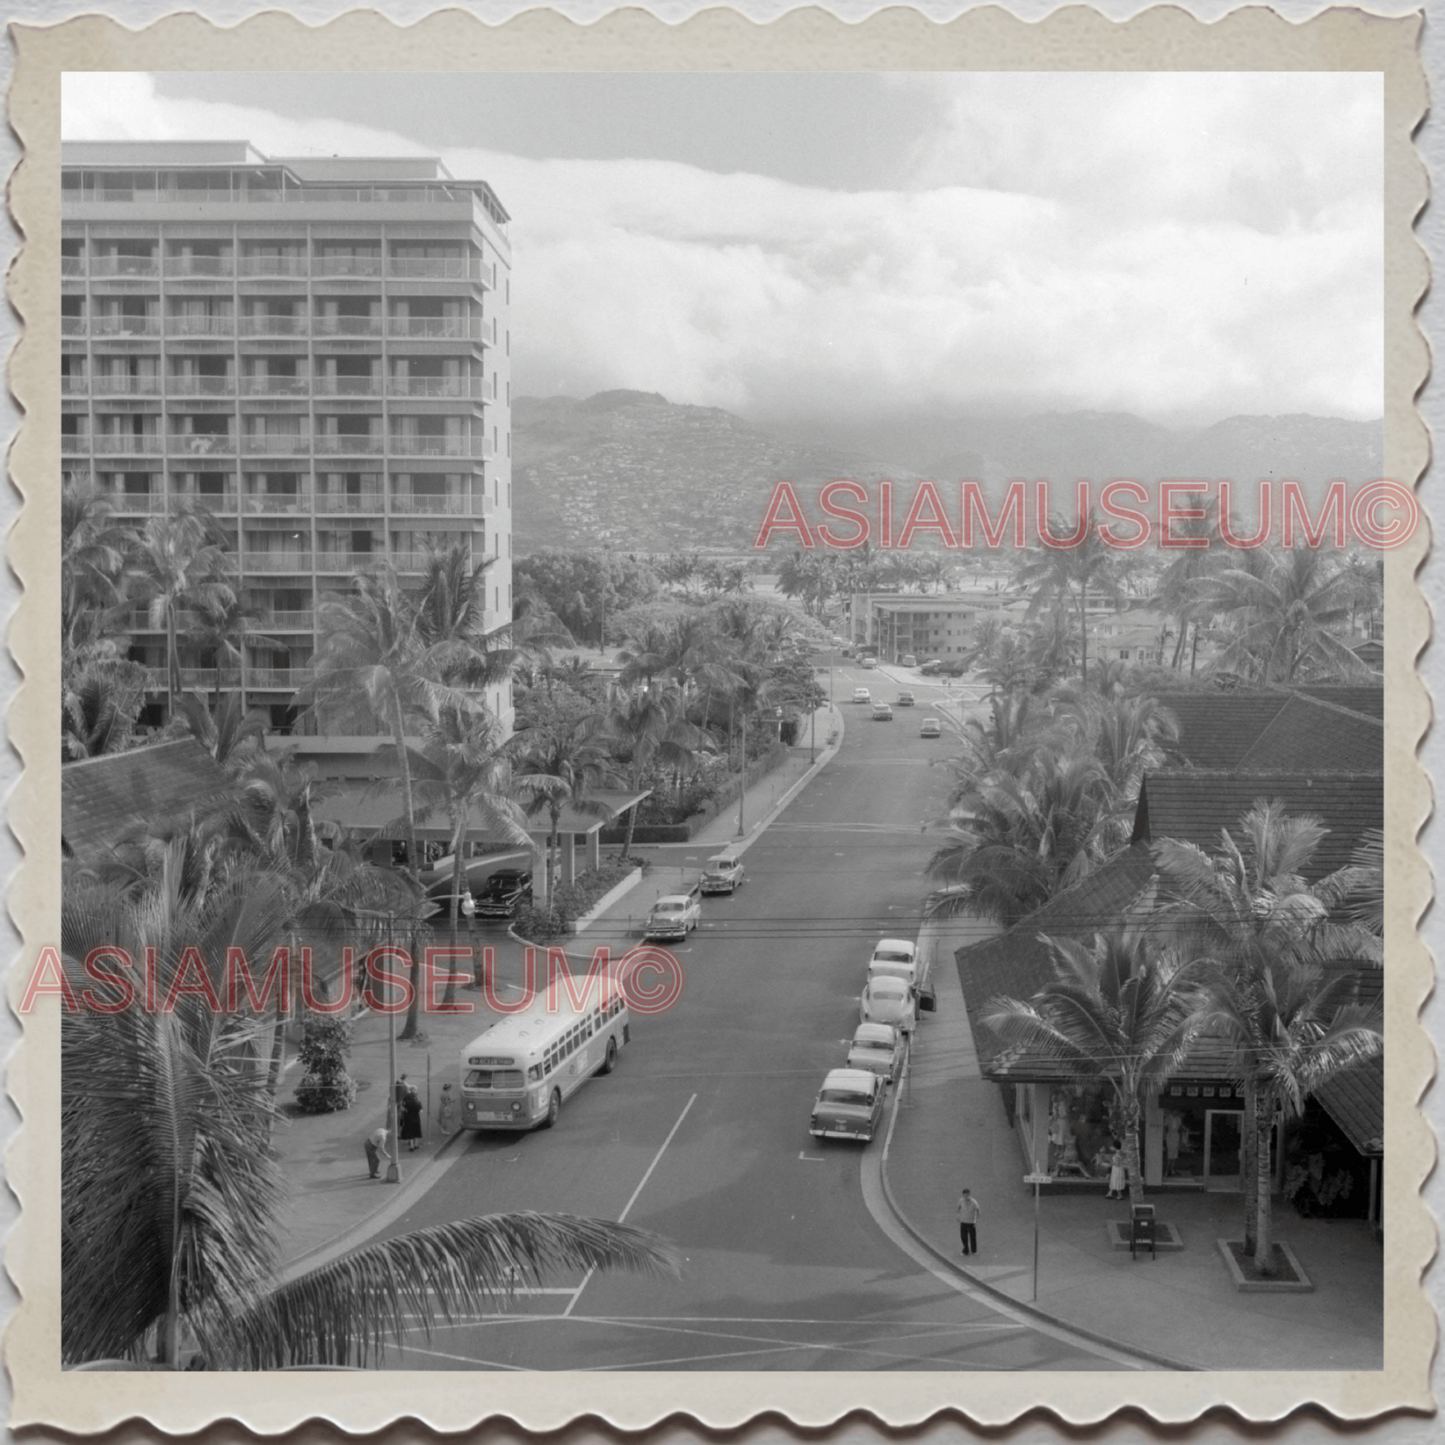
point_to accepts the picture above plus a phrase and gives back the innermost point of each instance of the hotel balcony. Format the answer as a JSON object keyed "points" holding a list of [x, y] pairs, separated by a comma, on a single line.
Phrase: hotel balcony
{"points": [[119, 326], [279, 503], [349, 445], [276, 678], [74, 386], [199, 266], [287, 621], [275, 444], [347, 326], [346, 386], [120, 444], [201, 444], [440, 387], [322, 266], [436, 268], [291, 562], [72, 265], [274, 386], [436, 505], [348, 561], [274, 266], [147, 385], [263, 325], [349, 502], [439, 446], [201, 385], [219, 503], [111, 266], [139, 504], [200, 325], [442, 328], [73, 326]]}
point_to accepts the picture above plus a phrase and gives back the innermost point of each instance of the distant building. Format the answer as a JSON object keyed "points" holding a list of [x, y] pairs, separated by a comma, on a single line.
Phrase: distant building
{"points": [[897, 624], [316, 351]]}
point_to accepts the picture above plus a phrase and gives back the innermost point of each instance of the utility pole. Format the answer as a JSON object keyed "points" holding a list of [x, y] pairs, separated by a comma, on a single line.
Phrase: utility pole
{"points": [[743, 773]]}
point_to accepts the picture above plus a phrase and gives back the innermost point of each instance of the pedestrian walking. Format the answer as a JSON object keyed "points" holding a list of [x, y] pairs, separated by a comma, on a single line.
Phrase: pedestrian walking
{"points": [[375, 1151], [400, 1088], [1117, 1176], [447, 1113], [411, 1120], [968, 1212]]}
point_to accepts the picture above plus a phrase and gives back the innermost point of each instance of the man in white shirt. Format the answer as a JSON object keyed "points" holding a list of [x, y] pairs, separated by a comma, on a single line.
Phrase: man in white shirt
{"points": [[376, 1150], [968, 1212]]}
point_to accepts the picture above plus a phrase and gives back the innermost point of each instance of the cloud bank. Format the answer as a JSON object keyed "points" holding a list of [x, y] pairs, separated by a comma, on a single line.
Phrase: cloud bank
{"points": [[1181, 246]]}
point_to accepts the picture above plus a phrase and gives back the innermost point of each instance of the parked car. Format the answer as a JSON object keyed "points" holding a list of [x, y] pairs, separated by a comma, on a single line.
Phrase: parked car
{"points": [[722, 874], [931, 667], [882, 712], [908, 660], [869, 660], [889, 1001], [674, 916], [931, 727], [861, 694], [877, 1048], [848, 1105], [894, 950], [905, 698], [504, 893]]}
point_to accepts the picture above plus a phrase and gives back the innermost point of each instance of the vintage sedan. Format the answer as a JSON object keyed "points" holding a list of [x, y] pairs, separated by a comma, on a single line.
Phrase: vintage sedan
{"points": [[722, 874], [905, 698], [894, 950], [882, 712], [848, 1105], [888, 1000], [504, 893], [931, 727], [877, 1048], [861, 694], [673, 916]]}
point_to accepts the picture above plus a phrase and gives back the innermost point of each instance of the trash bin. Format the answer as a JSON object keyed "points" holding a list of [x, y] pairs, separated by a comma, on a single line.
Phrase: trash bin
{"points": [[1142, 1231]]}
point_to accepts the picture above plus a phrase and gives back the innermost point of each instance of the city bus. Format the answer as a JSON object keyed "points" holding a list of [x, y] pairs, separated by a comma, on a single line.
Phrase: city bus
{"points": [[517, 1073]]}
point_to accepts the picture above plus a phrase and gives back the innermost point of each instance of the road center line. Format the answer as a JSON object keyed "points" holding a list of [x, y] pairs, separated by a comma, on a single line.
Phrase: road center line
{"points": [[627, 1208]]}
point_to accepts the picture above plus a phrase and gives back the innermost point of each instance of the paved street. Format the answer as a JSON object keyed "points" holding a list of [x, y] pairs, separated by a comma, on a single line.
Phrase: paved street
{"points": [[701, 1135]]}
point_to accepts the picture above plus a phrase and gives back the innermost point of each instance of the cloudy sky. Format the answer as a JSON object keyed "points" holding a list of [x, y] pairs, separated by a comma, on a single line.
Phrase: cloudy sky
{"points": [[800, 248]]}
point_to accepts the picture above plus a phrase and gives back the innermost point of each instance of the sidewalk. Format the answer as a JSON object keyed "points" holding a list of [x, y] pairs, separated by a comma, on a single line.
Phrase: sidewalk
{"points": [[951, 1130], [333, 1205]]}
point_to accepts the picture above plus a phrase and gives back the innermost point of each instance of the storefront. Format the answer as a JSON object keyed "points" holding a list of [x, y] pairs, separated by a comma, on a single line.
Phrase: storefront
{"points": [[1201, 1124]]}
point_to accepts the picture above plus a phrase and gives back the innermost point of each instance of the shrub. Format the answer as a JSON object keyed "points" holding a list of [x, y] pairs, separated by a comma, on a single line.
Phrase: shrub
{"points": [[326, 1087], [570, 901]]}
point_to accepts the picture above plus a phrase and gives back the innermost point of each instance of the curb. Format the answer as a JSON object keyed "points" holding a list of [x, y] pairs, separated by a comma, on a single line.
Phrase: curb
{"points": [[903, 1221], [825, 756]]}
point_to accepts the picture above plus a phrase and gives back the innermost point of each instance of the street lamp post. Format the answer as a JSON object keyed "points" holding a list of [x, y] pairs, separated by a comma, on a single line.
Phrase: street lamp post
{"points": [[1036, 1178]]}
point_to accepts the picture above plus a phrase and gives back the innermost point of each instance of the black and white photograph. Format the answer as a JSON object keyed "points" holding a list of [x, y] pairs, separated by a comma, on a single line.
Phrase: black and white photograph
{"points": [[727, 722]]}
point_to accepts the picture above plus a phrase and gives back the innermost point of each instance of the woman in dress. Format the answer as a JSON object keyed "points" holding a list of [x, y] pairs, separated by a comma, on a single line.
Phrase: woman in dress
{"points": [[1117, 1178], [411, 1120]]}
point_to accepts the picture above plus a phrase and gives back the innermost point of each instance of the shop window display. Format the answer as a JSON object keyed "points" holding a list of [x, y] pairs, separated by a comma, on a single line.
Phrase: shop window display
{"points": [[1084, 1121]]}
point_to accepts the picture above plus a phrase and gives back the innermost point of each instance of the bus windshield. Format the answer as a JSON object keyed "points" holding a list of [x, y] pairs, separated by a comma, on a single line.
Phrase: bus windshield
{"points": [[493, 1079]]}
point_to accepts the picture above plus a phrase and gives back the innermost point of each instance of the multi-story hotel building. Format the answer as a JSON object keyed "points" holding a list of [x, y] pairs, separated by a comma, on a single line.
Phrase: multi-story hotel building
{"points": [[313, 350]]}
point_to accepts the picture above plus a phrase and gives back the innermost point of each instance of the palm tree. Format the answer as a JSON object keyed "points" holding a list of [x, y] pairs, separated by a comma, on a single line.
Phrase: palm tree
{"points": [[1063, 577], [95, 554], [227, 734], [1291, 1030], [224, 625], [647, 725], [180, 564], [1181, 584], [170, 1191], [1015, 841], [1116, 1012], [1286, 613], [462, 767], [1249, 908], [557, 767], [100, 701]]}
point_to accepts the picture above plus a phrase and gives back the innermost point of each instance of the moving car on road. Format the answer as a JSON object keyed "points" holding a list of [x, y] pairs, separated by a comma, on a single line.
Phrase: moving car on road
{"points": [[674, 915], [905, 698], [722, 874], [869, 660], [861, 694], [516, 1073], [848, 1105], [504, 893], [882, 712], [930, 728], [877, 1048]]}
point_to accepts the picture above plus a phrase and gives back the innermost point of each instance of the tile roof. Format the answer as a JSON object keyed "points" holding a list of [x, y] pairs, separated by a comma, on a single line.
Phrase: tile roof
{"points": [[1309, 734], [1216, 729], [1355, 1100], [1016, 964], [1368, 698], [100, 798], [1195, 806]]}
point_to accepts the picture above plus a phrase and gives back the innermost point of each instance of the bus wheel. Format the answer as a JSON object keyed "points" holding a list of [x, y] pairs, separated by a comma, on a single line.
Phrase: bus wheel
{"points": [[554, 1109], [610, 1062]]}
